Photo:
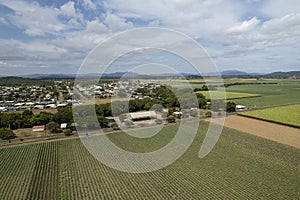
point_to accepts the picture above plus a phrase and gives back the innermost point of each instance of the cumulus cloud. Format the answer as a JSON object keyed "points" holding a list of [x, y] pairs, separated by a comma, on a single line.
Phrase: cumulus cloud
{"points": [[285, 26], [248, 32], [74, 15], [34, 19], [244, 27], [68, 9], [95, 26], [116, 23]]}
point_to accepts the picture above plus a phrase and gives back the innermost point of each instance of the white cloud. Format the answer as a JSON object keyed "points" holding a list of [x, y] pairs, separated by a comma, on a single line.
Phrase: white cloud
{"points": [[244, 27], [270, 33], [74, 15], [95, 26], [288, 25], [116, 23], [33, 18], [280, 8], [68, 9]]}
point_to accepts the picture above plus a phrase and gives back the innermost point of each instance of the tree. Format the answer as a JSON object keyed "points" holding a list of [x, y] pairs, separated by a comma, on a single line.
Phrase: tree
{"points": [[42, 118], [170, 111], [171, 119], [64, 115], [7, 134], [114, 126], [230, 106], [54, 127], [68, 132], [103, 122], [201, 100], [208, 114], [26, 116]]}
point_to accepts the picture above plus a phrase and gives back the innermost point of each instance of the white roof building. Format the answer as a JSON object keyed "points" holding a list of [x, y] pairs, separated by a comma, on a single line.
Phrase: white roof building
{"points": [[239, 107], [142, 115]]}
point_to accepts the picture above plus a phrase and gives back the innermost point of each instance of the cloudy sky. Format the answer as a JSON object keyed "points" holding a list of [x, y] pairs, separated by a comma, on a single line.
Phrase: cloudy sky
{"points": [[54, 36]]}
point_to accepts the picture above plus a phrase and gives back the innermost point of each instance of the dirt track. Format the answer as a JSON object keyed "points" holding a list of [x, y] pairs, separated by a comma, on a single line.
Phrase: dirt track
{"points": [[275, 132]]}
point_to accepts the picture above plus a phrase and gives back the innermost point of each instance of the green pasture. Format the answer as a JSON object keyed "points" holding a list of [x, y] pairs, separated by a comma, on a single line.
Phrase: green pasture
{"points": [[228, 95], [240, 166], [271, 94], [289, 115]]}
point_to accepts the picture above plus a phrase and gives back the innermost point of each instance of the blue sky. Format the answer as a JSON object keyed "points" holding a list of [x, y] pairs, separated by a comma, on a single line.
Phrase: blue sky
{"points": [[48, 36]]}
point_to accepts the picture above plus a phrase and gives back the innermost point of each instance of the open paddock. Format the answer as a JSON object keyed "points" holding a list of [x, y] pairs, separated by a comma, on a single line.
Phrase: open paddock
{"points": [[275, 132], [289, 115]]}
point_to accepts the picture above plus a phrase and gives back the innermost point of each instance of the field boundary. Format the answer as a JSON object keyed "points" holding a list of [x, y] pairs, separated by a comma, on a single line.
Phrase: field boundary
{"points": [[268, 120], [244, 97]]}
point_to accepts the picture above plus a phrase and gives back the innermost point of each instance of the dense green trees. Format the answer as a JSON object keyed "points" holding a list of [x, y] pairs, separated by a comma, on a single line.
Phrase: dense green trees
{"points": [[230, 106], [6, 134], [42, 118], [64, 115]]}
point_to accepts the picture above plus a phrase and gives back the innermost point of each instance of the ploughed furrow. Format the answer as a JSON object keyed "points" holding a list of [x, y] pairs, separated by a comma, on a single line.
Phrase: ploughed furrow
{"points": [[16, 171], [240, 166], [44, 181]]}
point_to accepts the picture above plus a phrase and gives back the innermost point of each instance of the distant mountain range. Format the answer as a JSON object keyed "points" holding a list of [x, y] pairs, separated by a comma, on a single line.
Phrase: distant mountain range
{"points": [[293, 74], [228, 73]]}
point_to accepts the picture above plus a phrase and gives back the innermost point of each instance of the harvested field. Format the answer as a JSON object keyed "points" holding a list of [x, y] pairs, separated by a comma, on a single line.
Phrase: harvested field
{"points": [[275, 132]]}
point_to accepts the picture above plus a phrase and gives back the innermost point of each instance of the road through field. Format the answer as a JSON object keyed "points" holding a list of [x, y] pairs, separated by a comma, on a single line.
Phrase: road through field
{"points": [[275, 132]]}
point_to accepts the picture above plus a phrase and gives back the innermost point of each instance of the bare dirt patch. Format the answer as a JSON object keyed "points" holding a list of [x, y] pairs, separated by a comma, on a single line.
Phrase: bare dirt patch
{"points": [[275, 132], [27, 132]]}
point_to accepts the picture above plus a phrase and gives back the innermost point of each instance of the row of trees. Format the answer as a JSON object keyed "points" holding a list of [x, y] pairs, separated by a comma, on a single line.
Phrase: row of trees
{"points": [[27, 119]]}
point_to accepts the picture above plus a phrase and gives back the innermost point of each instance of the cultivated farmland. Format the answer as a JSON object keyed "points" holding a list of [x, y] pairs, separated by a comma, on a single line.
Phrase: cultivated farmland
{"points": [[241, 166], [229, 95], [284, 92], [284, 115]]}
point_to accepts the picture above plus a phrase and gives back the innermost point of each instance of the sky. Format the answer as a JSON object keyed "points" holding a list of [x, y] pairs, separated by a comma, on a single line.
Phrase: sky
{"points": [[55, 36]]}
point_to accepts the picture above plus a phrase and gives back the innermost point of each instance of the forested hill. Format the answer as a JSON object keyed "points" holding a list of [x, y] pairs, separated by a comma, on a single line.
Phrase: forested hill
{"points": [[18, 81], [295, 74]]}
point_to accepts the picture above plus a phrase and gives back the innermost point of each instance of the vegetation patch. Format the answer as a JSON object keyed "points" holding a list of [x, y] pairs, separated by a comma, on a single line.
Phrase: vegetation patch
{"points": [[288, 115]]}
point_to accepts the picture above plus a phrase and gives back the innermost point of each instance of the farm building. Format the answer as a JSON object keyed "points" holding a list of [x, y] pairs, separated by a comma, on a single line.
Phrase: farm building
{"points": [[63, 125], [38, 128], [240, 107], [146, 115]]}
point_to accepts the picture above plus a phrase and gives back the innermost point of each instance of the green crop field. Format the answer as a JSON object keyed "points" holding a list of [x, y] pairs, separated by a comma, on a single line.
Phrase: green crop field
{"points": [[289, 115], [240, 166], [229, 95], [284, 92]]}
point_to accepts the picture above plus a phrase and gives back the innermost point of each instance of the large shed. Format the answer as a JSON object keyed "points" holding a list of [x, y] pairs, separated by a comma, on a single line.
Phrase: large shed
{"points": [[145, 115]]}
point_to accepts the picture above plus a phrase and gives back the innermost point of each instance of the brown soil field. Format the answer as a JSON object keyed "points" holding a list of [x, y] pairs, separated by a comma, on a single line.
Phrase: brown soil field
{"points": [[272, 131], [27, 132]]}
